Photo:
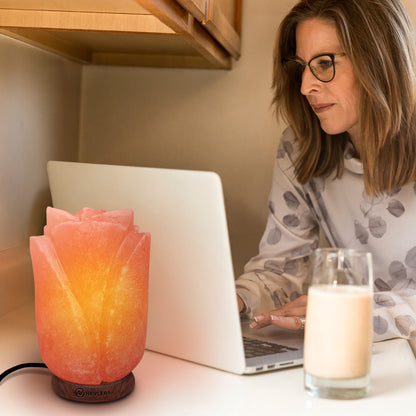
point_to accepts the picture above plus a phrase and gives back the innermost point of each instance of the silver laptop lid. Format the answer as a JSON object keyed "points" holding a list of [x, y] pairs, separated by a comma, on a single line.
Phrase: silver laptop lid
{"points": [[193, 312]]}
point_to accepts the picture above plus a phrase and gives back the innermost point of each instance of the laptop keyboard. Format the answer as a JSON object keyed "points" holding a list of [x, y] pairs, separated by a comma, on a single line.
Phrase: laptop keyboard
{"points": [[256, 348]]}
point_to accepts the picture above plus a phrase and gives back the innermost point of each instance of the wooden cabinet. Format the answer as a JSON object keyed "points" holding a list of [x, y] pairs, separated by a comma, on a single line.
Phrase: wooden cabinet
{"points": [[162, 33], [222, 18]]}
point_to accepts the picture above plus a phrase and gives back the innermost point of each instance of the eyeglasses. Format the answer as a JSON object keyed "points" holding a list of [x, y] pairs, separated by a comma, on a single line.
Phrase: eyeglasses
{"points": [[321, 66]]}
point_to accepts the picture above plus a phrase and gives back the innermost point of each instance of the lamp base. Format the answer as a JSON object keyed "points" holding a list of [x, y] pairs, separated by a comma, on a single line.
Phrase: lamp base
{"points": [[105, 392]]}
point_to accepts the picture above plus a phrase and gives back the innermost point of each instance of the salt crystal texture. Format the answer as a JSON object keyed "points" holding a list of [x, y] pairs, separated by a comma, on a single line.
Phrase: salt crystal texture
{"points": [[91, 291]]}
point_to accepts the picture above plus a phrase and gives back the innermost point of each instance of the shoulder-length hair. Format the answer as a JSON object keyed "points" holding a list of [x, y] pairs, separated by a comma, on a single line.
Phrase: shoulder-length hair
{"points": [[378, 38]]}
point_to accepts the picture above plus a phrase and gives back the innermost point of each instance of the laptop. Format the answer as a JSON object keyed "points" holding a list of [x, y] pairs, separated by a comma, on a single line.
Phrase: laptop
{"points": [[193, 312]]}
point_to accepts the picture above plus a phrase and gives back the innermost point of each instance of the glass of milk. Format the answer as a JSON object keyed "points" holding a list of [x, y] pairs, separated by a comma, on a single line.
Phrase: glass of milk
{"points": [[339, 324]]}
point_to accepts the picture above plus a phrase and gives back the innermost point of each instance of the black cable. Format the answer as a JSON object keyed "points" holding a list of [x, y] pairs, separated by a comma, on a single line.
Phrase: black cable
{"points": [[19, 367]]}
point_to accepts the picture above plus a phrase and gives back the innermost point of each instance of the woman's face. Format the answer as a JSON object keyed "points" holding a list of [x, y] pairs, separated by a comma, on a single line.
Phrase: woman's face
{"points": [[335, 103]]}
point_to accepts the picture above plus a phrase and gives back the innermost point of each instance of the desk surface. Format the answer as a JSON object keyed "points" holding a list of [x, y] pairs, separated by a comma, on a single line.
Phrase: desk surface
{"points": [[169, 386]]}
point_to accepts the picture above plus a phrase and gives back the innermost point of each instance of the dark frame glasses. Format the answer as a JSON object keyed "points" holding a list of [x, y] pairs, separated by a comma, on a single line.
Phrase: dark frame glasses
{"points": [[322, 67]]}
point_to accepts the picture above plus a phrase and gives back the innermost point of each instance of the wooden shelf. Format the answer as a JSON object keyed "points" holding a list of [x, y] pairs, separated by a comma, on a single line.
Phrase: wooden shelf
{"points": [[123, 32]]}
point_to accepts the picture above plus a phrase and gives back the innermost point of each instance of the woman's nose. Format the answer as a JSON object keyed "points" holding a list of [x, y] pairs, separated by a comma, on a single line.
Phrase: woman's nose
{"points": [[310, 83]]}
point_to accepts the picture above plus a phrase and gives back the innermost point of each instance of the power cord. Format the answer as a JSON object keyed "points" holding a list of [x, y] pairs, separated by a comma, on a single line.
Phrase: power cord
{"points": [[19, 367]]}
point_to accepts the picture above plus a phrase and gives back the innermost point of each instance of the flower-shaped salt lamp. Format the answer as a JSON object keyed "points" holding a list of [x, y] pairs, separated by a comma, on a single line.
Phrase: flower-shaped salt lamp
{"points": [[91, 285]]}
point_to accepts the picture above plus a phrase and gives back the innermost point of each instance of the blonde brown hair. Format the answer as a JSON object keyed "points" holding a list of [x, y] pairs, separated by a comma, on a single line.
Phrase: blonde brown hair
{"points": [[378, 38]]}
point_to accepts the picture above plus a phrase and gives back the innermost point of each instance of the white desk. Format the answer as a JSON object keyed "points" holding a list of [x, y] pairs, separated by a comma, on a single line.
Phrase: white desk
{"points": [[169, 386]]}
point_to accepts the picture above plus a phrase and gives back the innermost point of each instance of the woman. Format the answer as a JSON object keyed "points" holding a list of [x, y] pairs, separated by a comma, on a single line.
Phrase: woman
{"points": [[344, 81]]}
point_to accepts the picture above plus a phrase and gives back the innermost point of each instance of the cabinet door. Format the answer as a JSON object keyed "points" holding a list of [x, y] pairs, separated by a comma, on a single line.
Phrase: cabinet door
{"points": [[222, 18], [186, 25], [197, 8]]}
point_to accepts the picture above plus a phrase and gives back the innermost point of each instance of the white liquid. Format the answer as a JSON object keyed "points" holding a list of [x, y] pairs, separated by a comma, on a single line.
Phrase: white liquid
{"points": [[338, 332]]}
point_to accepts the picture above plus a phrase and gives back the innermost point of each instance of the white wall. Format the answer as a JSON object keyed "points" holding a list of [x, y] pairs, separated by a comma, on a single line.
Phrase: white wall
{"points": [[39, 120], [196, 119]]}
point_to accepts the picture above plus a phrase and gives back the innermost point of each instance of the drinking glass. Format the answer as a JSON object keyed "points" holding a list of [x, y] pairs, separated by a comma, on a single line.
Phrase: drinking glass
{"points": [[339, 324]]}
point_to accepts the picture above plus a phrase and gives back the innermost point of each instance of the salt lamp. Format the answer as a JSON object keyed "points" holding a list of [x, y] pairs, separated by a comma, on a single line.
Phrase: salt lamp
{"points": [[91, 289]]}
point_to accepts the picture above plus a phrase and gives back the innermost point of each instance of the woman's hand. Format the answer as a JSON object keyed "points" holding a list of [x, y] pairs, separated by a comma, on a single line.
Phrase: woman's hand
{"points": [[287, 316]]}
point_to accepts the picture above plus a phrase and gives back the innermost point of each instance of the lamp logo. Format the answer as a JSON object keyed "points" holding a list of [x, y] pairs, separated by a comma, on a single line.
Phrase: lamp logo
{"points": [[82, 393]]}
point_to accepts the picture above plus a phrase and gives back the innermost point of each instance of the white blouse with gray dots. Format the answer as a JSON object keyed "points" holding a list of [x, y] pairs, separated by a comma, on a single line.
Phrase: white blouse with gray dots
{"points": [[349, 218]]}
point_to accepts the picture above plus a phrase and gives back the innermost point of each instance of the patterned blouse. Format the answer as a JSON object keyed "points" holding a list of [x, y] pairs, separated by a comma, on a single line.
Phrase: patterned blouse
{"points": [[349, 218]]}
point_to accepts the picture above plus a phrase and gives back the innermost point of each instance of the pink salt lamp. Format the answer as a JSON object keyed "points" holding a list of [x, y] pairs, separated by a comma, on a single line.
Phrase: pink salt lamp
{"points": [[91, 286]]}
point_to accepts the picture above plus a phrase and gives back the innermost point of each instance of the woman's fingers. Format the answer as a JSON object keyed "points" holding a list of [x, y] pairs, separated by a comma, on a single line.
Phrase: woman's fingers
{"points": [[288, 322], [280, 318], [288, 316], [260, 321]]}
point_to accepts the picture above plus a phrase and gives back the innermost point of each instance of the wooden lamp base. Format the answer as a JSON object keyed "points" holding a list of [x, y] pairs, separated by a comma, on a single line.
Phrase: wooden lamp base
{"points": [[105, 392]]}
